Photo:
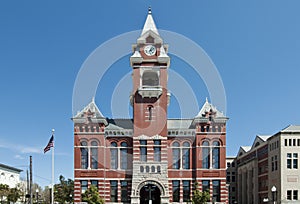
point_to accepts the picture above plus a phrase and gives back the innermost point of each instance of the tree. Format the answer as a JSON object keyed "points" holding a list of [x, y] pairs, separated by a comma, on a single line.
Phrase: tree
{"points": [[64, 191], [91, 196], [198, 196], [13, 195], [4, 190]]}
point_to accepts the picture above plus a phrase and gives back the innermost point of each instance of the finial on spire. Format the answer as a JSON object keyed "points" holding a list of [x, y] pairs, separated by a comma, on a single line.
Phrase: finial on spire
{"points": [[149, 10]]}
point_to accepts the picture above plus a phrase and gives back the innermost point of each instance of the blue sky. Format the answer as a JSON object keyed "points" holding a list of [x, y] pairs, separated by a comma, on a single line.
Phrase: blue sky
{"points": [[255, 46]]}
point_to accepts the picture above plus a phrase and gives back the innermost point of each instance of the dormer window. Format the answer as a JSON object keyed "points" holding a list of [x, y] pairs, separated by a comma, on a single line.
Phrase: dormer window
{"points": [[149, 39], [150, 78]]}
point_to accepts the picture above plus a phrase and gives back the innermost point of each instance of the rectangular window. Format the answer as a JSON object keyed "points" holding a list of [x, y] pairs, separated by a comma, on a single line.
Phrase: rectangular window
{"points": [[285, 142], [186, 191], [114, 191], [295, 195], [292, 160], [228, 164], [205, 185], [94, 183], [124, 191], [233, 189], [157, 150], [289, 161], [294, 142], [233, 178], [84, 186], [216, 191], [290, 142], [289, 195], [185, 158], [114, 157], [298, 142], [276, 162], [143, 150], [175, 190], [295, 160]]}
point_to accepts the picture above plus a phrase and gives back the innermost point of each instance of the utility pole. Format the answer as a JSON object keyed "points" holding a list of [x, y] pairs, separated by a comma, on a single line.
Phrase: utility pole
{"points": [[30, 182]]}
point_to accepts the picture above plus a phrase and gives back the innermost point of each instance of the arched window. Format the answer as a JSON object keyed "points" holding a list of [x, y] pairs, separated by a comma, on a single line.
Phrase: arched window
{"points": [[150, 110], [113, 155], [205, 155], [94, 154], [150, 78], [176, 155], [186, 155], [216, 155], [124, 159], [84, 155]]}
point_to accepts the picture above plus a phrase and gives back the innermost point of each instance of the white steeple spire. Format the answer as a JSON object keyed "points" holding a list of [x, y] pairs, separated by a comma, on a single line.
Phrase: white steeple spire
{"points": [[149, 24]]}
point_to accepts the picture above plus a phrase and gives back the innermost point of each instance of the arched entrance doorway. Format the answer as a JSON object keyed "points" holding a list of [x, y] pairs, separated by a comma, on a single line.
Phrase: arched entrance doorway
{"points": [[150, 194]]}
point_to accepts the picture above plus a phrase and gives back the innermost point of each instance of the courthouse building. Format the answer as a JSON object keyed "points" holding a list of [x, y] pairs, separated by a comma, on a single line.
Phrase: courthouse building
{"points": [[150, 157]]}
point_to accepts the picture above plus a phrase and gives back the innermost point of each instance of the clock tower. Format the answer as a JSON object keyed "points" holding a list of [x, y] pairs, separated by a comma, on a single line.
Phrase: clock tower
{"points": [[150, 99]]}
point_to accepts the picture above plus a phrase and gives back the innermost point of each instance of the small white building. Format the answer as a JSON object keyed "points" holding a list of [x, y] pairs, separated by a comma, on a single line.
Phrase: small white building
{"points": [[9, 175]]}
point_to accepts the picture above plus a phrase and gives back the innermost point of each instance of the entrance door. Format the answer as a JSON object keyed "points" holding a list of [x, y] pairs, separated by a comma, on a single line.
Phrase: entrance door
{"points": [[150, 193]]}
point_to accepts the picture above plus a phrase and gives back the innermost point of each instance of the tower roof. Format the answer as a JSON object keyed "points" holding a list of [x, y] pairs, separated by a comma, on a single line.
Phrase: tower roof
{"points": [[209, 107], [149, 24]]}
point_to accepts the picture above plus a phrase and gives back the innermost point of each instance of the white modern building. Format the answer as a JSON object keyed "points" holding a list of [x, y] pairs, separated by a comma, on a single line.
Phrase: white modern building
{"points": [[9, 175], [268, 171]]}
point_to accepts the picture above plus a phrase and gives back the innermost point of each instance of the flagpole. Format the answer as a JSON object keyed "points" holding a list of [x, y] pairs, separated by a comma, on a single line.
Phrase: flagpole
{"points": [[52, 192]]}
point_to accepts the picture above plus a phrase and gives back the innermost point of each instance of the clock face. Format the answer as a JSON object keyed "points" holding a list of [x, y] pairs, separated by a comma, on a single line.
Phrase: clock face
{"points": [[150, 50]]}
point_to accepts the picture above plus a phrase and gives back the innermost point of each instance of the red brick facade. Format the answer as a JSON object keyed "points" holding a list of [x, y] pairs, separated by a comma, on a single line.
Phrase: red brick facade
{"points": [[125, 158]]}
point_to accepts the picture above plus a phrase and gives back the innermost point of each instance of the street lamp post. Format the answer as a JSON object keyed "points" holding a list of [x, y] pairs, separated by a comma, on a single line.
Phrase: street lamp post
{"points": [[273, 189], [37, 195], [150, 189]]}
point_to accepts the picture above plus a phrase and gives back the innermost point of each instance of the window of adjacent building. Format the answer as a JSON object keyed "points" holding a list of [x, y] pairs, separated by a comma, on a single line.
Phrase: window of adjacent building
{"points": [[186, 191], [157, 150], [216, 155], [205, 185], [205, 155], [186, 155], [233, 189], [292, 160], [113, 155], [143, 150], [295, 194], [84, 155], [175, 190], [228, 164], [289, 195], [228, 177], [124, 154], [94, 154], [176, 155], [114, 191], [233, 164], [233, 179], [298, 142], [124, 191], [290, 142], [84, 186], [94, 183], [216, 191], [285, 142], [276, 162]]}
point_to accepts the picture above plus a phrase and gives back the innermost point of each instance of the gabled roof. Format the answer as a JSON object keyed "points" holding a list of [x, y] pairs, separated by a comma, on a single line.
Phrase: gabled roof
{"points": [[291, 128], [243, 150], [91, 107], [259, 139], [149, 24], [207, 107]]}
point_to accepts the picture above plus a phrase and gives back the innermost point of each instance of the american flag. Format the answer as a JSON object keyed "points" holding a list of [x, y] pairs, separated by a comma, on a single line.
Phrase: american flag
{"points": [[49, 145]]}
